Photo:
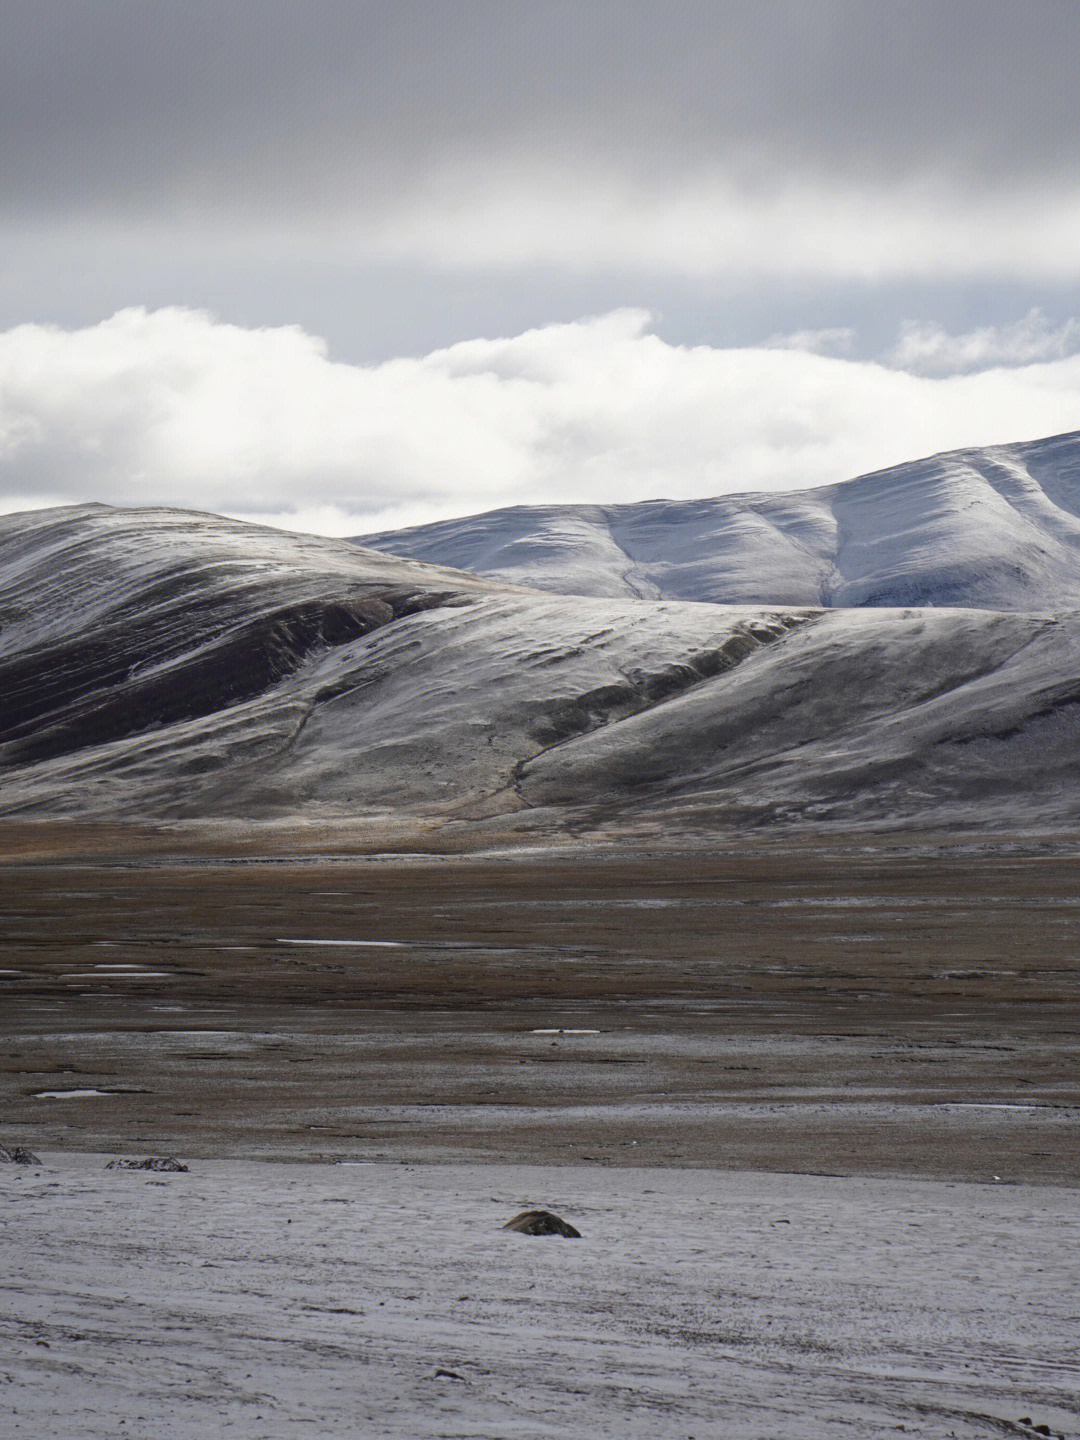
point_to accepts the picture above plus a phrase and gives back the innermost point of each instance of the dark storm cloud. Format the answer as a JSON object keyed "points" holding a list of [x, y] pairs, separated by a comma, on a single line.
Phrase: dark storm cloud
{"points": [[202, 110]]}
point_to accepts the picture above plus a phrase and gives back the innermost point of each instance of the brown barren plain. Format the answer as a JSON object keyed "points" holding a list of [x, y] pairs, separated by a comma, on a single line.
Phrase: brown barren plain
{"points": [[863, 1002]]}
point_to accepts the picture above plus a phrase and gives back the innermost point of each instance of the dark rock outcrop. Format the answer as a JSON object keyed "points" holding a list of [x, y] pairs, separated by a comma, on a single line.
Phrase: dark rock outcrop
{"points": [[541, 1222], [152, 1162], [17, 1155]]}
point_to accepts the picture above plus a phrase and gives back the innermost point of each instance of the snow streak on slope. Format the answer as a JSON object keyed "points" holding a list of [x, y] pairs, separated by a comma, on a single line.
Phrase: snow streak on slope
{"points": [[996, 528]]}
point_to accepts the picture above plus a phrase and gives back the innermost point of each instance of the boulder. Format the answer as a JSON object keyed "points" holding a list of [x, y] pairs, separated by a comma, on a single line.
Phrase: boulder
{"points": [[541, 1222]]}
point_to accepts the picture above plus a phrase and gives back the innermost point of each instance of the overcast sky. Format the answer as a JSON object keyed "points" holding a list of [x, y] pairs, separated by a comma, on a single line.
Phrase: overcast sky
{"points": [[886, 195]]}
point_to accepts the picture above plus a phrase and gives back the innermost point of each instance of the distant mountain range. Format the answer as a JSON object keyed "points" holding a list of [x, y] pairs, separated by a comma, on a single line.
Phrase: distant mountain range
{"points": [[997, 528], [157, 663]]}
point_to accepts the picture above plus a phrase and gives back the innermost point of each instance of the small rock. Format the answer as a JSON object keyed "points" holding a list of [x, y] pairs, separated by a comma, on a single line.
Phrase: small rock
{"points": [[18, 1155], [541, 1222], [448, 1375], [152, 1162]]}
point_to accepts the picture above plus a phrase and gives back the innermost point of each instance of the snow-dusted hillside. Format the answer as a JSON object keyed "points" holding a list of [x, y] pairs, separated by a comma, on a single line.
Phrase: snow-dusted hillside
{"points": [[157, 663], [997, 528], [116, 622]]}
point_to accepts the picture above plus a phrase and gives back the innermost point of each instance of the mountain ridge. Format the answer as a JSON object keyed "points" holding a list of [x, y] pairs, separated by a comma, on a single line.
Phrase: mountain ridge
{"points": [[169, 665], [991, 528]]}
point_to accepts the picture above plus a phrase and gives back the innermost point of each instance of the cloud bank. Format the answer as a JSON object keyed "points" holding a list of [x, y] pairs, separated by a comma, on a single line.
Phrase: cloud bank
{"points": [[172, 407], [700, 137]]}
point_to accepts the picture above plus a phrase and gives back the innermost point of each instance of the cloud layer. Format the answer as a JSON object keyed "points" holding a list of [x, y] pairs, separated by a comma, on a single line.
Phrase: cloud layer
{"points": [[700, 137], [930, 349], [172, 407]]}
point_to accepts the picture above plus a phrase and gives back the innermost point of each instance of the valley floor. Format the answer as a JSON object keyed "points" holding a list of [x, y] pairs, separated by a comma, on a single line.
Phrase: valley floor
{"points": [[812, 1100]]}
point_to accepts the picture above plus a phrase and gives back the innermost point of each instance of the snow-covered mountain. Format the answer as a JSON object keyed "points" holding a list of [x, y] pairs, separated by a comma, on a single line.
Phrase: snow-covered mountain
{"points": [[997, 528], [157, 663]]}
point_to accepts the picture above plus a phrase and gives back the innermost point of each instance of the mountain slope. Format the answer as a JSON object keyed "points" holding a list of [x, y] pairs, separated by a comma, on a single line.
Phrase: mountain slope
{"points": [[995, 528], [948, 715], [160, 664], [115, 622], [155, 661]]}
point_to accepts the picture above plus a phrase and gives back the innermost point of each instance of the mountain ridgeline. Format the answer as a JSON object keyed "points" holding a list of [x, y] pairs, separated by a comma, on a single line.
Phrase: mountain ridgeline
{"points": [[997, 528], [903, 649]]}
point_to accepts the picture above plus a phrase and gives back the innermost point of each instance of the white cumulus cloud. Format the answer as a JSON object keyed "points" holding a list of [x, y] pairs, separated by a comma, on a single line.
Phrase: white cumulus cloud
{"points": [[173, 407], [929, 349]]}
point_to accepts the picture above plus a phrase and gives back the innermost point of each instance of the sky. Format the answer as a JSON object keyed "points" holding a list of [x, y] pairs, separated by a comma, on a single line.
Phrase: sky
{"points": [[345, 266]]}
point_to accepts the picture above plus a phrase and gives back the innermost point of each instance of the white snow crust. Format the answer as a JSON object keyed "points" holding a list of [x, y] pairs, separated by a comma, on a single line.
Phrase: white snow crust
{"points": [[268, 1300]]}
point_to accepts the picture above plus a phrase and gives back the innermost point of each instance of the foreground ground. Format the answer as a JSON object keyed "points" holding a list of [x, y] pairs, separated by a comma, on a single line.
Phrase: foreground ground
{"points": [[813, 1102], [280, 1301]]}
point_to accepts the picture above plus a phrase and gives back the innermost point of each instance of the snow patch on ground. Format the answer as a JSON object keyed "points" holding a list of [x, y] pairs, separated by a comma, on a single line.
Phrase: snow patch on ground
{"points": [[277, 1301]]}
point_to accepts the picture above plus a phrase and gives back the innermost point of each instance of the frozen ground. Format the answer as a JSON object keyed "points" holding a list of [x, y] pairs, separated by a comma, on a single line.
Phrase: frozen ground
{"points": [[273, 1300], [899, 1010]]}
